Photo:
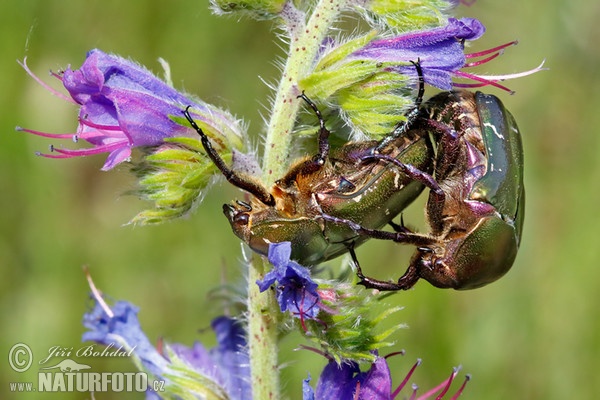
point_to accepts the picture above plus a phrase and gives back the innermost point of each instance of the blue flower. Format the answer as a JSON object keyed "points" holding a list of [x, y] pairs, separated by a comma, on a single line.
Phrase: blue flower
{"points": [[344, 381], [227, 365], [296, 291], [119, 326]]}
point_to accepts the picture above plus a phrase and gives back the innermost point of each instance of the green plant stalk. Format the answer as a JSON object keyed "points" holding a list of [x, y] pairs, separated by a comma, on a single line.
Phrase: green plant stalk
{"points": [[263, 310]]}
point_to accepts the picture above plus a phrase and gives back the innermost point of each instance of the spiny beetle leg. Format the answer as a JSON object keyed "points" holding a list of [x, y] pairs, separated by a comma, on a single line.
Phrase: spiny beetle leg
{"points": [[407, 280], [411, 116], [235, 179], [405, 236], [416, 174], [399, 227], [323, 132], [318, 160]]}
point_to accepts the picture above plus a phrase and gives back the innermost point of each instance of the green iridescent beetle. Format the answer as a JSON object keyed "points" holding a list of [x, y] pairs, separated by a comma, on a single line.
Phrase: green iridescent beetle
{"points": [[476, 220], [341, 183]]}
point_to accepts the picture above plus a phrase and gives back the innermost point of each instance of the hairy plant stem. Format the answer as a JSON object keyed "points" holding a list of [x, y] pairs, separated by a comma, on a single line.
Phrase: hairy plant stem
{"points": [[263, 310]]}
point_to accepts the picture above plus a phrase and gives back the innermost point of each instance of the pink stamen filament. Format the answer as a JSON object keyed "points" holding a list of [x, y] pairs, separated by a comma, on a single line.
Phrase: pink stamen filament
{"points": [[484, 81], [492, 50], [93, 150], [445, 385], [49, 135], [44, 84], [91, 124], [403, 383], [67, 153], [112, 133], [483, 61], [462, 388], [413, 396]]}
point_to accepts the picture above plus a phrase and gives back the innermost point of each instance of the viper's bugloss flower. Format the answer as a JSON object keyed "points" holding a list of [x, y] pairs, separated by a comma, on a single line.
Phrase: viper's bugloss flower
{"points": [[440, 52], [370, 78], [331, 313], [296, 291], [123, 106], [347, 381], [227, 364], [119, 326], [221, 372]]}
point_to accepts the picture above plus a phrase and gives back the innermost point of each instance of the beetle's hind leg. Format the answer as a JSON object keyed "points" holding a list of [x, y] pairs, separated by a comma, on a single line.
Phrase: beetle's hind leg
{"points": [[404, 236], [407, 280]]}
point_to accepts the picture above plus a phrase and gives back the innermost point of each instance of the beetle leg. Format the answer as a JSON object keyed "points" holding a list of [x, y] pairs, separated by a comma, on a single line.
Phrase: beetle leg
{"points": [[315, 163], [407, 280], [411, 116], [399, 227], [242, 182], [404, 236], [409, 170], [323, 153]]}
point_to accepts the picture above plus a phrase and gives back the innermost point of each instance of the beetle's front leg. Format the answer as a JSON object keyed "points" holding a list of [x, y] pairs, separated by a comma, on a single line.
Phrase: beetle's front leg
{"points": [[236, 179], [411, 116], [315, 163], [323, 138]]}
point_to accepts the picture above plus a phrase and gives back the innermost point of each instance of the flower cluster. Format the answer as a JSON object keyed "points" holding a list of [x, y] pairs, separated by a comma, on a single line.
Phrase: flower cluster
{"points": [[221, 372], [366, 77], [347, 381]]}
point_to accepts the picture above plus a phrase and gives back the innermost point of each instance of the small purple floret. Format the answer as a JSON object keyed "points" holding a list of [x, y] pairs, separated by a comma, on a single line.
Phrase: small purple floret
{"points": [[296, 291]]}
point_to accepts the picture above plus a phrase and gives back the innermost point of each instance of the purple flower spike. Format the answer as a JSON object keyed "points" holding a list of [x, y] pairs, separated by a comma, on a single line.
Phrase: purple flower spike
{"points": [[296, 291], [227, 364], [123, 105], [119, 327]]}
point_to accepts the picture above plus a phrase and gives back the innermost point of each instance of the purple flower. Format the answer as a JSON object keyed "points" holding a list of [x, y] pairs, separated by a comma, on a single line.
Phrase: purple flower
{"points": [[296, 292], [440, 52], [346, 381], [119, 326], [122, 106], [227, 364]]}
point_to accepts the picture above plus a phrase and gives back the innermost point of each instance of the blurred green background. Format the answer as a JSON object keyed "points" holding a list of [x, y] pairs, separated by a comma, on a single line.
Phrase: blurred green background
{"points": [[535, 334]]}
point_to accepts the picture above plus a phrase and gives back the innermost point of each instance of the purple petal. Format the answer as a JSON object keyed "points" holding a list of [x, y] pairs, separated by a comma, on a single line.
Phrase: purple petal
{"points": [[337, 381], [279, 253], [122, 328]]}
